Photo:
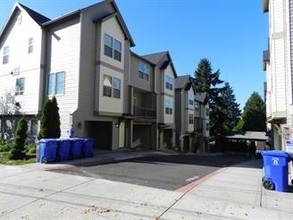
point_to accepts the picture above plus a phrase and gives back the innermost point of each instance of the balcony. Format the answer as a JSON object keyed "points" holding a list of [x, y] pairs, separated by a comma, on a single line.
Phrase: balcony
{"points": [[144, 112], [266, 59], [144, 104]]}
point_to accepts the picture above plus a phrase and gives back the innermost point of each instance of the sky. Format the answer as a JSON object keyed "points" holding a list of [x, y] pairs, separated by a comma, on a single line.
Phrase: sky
{"points": [[230, 33]]}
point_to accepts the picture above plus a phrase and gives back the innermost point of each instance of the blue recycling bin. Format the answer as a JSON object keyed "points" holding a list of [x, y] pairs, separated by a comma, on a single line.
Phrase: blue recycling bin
{"points": [[276, 170], [76, 147], [47, 150], [88, 147], [64, 149]]}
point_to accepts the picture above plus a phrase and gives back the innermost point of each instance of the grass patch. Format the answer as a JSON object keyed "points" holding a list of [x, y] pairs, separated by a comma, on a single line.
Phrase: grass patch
{"points": [[4, 159]]}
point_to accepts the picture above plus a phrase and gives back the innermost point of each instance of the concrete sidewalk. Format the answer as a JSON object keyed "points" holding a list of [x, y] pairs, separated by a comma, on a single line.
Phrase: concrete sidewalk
{"points": [[31, 192]]}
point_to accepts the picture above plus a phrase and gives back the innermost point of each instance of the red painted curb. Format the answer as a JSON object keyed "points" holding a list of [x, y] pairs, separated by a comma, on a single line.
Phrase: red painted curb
{"points": [[197, 182]]}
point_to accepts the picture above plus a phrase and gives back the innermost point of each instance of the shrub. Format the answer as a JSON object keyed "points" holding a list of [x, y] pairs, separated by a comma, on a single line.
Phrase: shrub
{"points": [[18, 150], [31, 148], [5, 147]]}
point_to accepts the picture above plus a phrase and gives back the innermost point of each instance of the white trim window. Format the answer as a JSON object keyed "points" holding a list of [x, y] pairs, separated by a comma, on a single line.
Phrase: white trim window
{"points": [[190, 119], [143, 71], [56, 83], [31, 45], [6, 52], [168, 107], [112, 47], [169, 82], [19, 86], [116, 88], [196, 106], [107, 86], [111, 87], [190, 99]]}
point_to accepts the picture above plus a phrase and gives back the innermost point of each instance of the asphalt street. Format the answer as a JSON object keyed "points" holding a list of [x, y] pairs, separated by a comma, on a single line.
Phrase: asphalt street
{"points": [[163, 171]]}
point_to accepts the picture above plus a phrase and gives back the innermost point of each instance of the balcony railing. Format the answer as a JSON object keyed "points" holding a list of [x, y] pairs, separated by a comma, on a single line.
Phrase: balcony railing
{"points": [[144, 112]]}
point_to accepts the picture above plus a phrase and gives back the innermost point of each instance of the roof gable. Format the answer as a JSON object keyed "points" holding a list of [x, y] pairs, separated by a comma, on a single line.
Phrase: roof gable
{"points": [[162, 60], [35, 16], [182, 81]]}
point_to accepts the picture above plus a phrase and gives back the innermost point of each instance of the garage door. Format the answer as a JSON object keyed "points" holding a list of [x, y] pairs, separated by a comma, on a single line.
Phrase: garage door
{"points": [[142, 136]]}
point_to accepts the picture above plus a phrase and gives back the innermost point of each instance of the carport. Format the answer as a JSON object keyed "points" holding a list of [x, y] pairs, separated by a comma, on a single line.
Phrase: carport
{"points": [[244, 142]]}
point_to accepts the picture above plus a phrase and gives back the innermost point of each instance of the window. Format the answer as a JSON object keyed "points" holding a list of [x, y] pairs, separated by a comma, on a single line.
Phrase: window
{"points": [[30, 45], [207, 127], [196, 106], [207, 112], [117, 50], [190, 119], [33, 127], [169, 82], [116, 88], [111, 87], [15, 71], [56, 85], [190, 99], [168, 107], [6, 51], [112, 47], [108, 45], [143, 71], [107, 86], [19, 19], [19, 86]]}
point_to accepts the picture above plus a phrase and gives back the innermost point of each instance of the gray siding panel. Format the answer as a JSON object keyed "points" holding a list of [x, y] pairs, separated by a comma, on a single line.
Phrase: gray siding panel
{"points": [[135, 81]]}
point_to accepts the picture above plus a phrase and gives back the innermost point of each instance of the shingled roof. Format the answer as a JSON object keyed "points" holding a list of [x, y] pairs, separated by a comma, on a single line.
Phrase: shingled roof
{"points": [[182, 81], [155, 57]]}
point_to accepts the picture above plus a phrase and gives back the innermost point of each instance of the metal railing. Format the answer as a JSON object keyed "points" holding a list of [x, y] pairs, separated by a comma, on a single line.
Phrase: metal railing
{"points": [[145, 112]]}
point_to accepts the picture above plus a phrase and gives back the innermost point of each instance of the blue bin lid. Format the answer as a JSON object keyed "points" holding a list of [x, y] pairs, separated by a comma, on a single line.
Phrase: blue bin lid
{"points": [[44, 140], [275, 153]]}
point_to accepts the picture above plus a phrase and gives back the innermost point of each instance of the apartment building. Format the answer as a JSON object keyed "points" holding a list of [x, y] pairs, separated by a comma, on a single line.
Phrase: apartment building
{"points": [[185, 109], [192, 116], [83, 58], [165, 74], [202, 122], [277, 60]]}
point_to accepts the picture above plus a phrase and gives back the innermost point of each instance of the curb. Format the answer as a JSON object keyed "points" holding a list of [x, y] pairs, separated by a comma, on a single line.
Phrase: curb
{"points": [[83, 164], [192, 185]]}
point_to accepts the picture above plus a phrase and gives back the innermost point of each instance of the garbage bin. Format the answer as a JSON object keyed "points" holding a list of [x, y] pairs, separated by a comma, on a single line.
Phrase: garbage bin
{"points": [[276, 170], [47, 150], [76, 147], [64, 149], [88, 147]]}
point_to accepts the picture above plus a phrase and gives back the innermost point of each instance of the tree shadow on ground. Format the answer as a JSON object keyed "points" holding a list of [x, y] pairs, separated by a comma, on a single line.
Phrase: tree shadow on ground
{"points": [[222, 160]]}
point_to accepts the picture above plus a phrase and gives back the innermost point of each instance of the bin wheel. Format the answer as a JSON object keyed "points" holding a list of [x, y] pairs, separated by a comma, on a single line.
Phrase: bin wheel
{"points": [[44, 160], [269, 185]]}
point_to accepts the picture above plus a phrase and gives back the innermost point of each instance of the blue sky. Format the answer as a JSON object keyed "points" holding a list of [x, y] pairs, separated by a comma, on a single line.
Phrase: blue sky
{"points": [[231, 33]]}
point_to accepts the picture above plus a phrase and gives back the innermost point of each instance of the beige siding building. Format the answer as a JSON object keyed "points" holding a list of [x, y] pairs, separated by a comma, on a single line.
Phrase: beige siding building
{"points": [[278, 66], [103, 89]]}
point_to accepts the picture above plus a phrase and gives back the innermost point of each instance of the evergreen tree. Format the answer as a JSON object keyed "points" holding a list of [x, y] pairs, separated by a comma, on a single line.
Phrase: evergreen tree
{"points": [[50, 120], [18, 149], [45, 121], [254, 114], [208, 81], [55, 119], [230, 108]]}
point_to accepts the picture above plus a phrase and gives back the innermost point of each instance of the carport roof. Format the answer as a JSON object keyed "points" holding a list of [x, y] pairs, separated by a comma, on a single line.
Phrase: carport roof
{"points": [[249, 135]]}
